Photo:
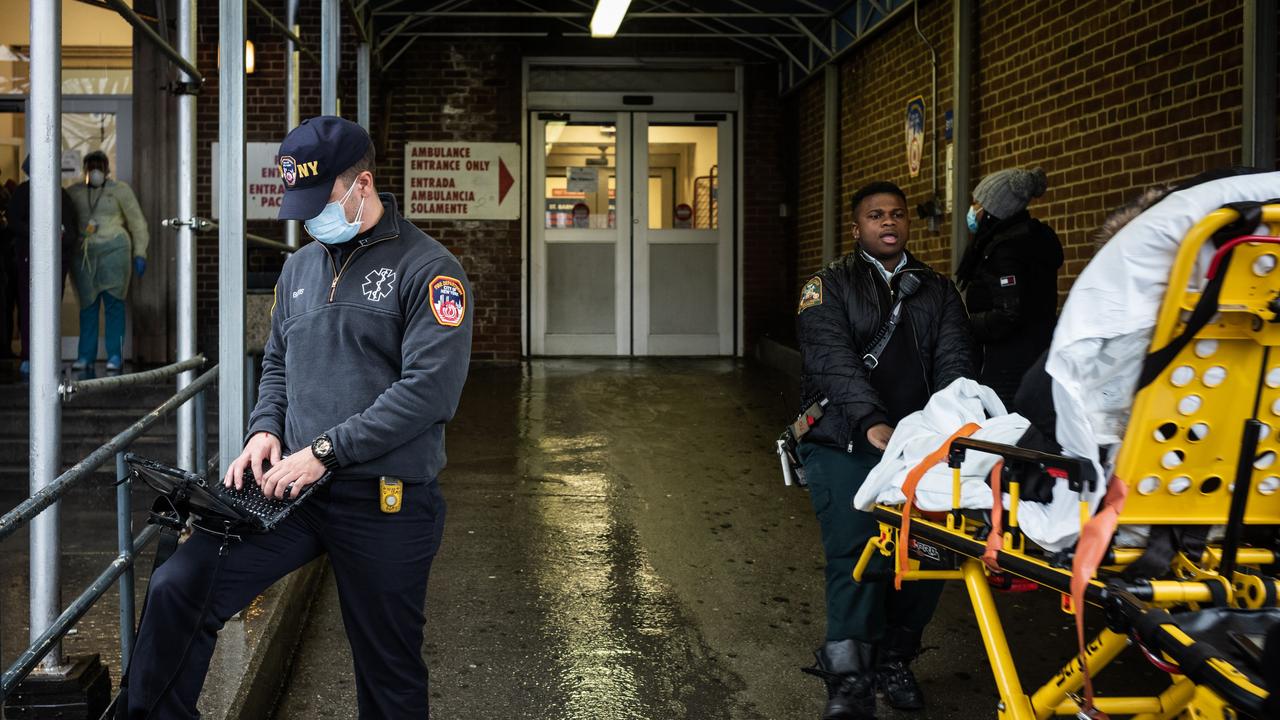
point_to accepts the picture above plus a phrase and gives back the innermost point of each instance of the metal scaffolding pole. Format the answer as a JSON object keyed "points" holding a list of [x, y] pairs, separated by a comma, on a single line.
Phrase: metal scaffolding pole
{"points": [[44, 118], [187, 66], [963, 13], [330, 39], [231, 234], [291, 99], [186, 249], [1259, 146], [362, 85]]}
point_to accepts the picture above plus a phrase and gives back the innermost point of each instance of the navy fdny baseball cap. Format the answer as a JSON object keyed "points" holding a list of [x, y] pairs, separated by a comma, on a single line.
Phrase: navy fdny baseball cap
{"points": [[312, 156]]}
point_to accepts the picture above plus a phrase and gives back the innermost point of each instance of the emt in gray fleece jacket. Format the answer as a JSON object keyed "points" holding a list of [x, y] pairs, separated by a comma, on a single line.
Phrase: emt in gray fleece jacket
{"points": [[368, 352]]}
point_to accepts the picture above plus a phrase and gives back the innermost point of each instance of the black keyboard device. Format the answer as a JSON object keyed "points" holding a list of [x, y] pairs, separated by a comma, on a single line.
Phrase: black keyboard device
{"points": [[205, 497]]}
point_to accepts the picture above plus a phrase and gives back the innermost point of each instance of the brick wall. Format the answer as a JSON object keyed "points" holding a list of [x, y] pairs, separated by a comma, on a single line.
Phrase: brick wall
{"points": [[876, 84], [264, 122], [807, 103], [1107, 98], [460, 91], [768, 257], [456, 91], [470, 90]]}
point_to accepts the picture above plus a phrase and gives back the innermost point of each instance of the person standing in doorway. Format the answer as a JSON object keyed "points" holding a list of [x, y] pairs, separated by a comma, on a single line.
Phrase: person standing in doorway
{"points": [[20, 224], [1009, 277], [873, 631], [113, 249]]}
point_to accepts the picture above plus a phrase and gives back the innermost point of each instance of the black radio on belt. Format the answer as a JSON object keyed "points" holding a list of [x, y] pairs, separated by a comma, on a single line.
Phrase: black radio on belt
{"points": [[787, 443]]}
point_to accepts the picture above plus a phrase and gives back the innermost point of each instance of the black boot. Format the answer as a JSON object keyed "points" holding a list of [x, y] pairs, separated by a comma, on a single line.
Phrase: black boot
{"points": [[893, 672], [846, 666]]}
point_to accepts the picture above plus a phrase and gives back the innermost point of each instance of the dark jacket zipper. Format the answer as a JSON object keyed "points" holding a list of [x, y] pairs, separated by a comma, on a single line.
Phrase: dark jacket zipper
{"points": [[337, 273]]}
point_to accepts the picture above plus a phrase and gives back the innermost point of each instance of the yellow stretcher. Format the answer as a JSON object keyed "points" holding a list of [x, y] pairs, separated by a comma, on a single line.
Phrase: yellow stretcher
{"points": [[1211, 460]]}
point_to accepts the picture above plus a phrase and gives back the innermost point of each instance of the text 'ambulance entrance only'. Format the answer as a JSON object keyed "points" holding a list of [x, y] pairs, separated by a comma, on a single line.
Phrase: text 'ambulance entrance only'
{"points": [[632, 229]]}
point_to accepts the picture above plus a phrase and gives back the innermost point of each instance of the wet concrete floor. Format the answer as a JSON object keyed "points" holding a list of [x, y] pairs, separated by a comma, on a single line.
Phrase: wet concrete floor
{"points": [[619, 545]]}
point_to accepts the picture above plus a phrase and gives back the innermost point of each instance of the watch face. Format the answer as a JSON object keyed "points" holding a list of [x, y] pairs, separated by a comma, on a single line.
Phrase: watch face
{"points": [[323, 446]]}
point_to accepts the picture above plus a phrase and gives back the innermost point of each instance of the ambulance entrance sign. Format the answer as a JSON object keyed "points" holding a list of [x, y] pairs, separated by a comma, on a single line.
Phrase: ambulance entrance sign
{"points": [[461, 181]]}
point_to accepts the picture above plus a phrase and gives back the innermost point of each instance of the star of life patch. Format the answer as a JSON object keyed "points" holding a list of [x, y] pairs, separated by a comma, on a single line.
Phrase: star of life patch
{"points": [[1008, 281], [448, 300], [810, 294]]}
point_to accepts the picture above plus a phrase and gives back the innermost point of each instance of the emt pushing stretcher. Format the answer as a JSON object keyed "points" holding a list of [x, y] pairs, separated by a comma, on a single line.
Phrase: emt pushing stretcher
{"points": [[1162, 507]]}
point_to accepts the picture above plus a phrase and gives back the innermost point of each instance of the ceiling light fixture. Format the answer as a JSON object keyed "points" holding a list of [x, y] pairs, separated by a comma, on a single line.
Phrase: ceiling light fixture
{"points": [[608, 16]]}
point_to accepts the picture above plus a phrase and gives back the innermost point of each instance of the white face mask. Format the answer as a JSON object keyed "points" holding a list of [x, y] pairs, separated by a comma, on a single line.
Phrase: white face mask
{"points": [[331, 226], [97, 177]]}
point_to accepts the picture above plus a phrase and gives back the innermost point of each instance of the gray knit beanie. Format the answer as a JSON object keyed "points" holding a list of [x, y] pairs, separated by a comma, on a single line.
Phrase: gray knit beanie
{"points": [[1006, 193]]}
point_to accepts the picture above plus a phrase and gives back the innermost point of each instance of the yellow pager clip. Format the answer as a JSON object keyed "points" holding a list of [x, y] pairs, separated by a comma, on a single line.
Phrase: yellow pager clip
{"points": [[391, 495]]}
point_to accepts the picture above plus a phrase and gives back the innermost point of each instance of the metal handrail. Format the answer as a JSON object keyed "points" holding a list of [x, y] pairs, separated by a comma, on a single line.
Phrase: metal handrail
{"points": [[34, 505], [69, 388], [30, 657], [207, 224], [121, 567]]}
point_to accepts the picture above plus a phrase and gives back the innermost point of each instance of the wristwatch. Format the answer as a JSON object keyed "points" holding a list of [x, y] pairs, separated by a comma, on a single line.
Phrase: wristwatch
{"points": [[322, 448]]}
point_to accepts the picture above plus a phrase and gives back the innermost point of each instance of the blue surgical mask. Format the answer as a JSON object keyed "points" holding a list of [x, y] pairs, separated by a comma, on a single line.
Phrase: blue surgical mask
{"points": [[972, 219], [330, 226]]}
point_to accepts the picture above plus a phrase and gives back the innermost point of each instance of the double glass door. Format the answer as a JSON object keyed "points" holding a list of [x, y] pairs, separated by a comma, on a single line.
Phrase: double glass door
{"points": [[632, 250]]}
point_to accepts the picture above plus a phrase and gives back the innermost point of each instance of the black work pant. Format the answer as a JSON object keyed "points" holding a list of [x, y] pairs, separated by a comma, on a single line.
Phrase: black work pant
{"points": [[380, 561], [861, 611]]}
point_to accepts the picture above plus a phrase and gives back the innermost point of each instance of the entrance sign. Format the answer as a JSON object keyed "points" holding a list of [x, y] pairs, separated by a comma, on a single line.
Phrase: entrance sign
{"points": [[261, 181], [461, 181]]}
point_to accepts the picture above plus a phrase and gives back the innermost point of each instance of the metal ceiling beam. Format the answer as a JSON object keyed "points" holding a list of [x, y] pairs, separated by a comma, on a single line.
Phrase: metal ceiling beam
{"points": [[867, 16], [566, 21], [705, 24], [799, 63], [576, 14], [284, 30], [165, 48], [404, 48], [813, 39], [102, 5], [412, 22]]}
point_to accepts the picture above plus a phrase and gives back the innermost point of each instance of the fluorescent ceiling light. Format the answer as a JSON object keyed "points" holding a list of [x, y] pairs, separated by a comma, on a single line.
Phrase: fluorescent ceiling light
{"points": [[607, 18]]}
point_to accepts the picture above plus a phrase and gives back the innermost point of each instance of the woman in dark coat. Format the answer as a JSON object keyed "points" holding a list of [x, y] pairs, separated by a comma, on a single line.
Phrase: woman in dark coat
{"points": [[1009, 277]]}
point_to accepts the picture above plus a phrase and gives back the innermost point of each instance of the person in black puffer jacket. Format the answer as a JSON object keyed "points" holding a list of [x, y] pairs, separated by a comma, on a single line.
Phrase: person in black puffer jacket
{"points": [[873, 632], [1009, 277]]}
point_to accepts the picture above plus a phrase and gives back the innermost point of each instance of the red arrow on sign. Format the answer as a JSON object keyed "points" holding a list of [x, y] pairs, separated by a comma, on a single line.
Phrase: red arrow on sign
{"points": [[505, 181]]}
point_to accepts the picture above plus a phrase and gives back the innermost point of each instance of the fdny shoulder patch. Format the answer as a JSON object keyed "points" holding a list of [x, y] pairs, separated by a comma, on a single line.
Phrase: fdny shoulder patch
{"points": [[810, 294], [1008, 281], [448, 300]]}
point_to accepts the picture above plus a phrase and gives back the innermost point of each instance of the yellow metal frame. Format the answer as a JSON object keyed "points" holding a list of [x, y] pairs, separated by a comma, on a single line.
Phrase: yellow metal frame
{"points": [[1182, 699], [1241, 366], [1173, 456]]}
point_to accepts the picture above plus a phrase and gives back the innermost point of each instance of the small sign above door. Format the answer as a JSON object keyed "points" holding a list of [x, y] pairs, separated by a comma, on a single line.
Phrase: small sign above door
{"points": [[461, 181]]}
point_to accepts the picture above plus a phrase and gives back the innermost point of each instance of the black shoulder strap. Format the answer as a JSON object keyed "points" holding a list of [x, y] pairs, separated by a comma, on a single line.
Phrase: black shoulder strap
{"points": [[871, 358], [1156, 362]]}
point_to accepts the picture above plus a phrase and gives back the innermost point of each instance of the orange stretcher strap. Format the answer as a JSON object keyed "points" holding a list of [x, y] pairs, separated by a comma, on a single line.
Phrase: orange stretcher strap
{"points": [[909, 489], [995, 539], [1095, 537]]}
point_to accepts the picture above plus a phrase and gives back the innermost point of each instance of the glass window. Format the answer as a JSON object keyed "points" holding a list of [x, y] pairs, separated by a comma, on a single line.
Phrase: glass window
{"points": [[683, 177], [581, 186]]}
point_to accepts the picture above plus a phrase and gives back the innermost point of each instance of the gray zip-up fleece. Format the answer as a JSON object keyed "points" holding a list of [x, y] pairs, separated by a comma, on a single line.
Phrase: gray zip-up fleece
{"points": [[374, 353]]}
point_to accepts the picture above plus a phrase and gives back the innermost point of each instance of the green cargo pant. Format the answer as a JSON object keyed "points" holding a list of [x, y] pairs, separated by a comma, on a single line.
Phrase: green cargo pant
{"points": [[861, 611]]}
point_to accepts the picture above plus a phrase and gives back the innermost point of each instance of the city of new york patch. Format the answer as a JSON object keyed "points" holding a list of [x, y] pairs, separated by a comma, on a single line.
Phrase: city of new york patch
{"points": [[448, 300]]}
